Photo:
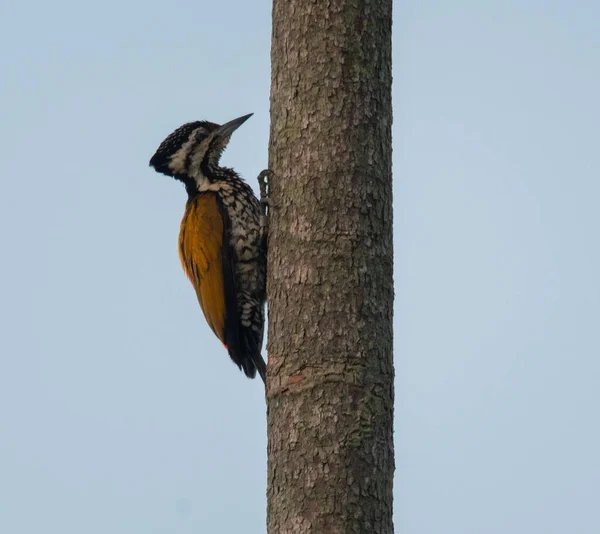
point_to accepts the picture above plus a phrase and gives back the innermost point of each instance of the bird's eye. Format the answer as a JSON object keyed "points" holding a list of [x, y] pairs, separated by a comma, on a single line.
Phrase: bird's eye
{"points": [[201, 134]]}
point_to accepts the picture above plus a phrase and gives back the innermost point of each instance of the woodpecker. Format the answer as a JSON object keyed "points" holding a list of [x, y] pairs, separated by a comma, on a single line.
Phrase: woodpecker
{"points": [[222, 238]]}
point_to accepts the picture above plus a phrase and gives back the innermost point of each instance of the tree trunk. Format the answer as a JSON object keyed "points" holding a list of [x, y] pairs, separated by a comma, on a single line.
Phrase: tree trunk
{"points": [[330, 287]]}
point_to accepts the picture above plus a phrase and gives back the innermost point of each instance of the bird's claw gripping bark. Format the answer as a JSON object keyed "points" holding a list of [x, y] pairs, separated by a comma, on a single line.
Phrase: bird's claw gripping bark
{"points": [[263, 184], [264, 199]]}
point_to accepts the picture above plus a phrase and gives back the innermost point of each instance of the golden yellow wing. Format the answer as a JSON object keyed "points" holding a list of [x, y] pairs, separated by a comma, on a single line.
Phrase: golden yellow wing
{"points": [[201, 253]]}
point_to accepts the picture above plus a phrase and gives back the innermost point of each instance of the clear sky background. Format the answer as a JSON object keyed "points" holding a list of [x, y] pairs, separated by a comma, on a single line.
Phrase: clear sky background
{"points": [[120, 411]]}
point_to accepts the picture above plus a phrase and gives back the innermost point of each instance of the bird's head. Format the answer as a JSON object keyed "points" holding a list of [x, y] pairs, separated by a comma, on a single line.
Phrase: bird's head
{"points": [[194, 149]]}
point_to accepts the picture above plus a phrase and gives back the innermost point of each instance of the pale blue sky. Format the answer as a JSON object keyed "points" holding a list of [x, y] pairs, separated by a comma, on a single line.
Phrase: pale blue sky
{"points": [[119, 410]]}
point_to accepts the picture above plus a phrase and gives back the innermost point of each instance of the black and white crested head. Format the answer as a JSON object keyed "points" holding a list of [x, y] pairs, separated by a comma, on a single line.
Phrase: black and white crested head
{"points": [[170, 157], [194, 149]]}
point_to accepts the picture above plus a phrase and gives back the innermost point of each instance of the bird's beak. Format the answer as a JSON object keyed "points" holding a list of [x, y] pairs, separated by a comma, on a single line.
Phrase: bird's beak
{"points": [[229, 127]]}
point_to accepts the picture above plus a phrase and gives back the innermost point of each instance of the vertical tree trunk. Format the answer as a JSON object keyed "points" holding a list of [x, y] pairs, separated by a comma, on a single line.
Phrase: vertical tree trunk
{"points": [[330, 288]]}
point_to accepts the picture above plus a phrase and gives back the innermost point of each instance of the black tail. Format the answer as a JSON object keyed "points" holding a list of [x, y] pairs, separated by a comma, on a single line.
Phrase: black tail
{"points": [[261, 366], [252, 360]]}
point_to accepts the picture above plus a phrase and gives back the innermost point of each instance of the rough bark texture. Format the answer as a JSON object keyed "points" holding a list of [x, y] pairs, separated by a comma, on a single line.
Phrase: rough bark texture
{"points": [[330, 288]]}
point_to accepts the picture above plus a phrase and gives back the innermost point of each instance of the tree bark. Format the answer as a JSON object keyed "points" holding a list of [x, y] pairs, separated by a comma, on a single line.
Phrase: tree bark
{"points": [[330, 287]]}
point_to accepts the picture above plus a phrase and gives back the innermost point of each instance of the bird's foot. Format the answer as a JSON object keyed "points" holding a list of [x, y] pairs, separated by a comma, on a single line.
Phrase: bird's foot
{"points": [[264, 199], [263, 184]]}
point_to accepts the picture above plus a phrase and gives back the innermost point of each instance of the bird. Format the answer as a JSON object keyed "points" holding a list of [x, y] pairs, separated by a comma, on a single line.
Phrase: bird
{"points": [[222, 238]]}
